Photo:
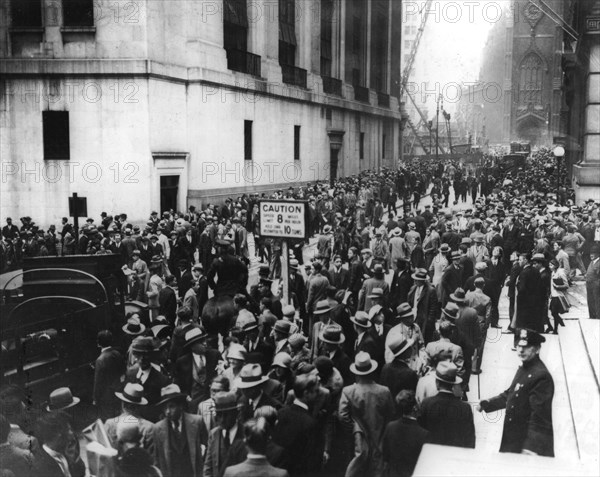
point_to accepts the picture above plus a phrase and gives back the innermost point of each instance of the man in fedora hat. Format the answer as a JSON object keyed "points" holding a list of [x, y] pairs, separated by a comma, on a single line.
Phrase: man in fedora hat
{"points": [[397, 375], [528, 401], [132, 401], [322, 313], [179, 437], [225, 442], [368, 289], [423, 299], [251, 382], [281, 333], [195, 370], [528, 296], [451, 279], [410, 331], [147, 374], [332, 337], [448, 419], [467, 321], [445, 347], [365, 342], [364, 409]]}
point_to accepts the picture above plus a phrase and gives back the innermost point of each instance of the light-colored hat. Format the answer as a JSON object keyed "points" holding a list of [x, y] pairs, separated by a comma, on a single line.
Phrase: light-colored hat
{"points": [[134, 326], [361, 319], [282, 360], [133, 393], [332, 334], [170, 393], [250, 376], [363, 364], [447, 372], [288, 310]]}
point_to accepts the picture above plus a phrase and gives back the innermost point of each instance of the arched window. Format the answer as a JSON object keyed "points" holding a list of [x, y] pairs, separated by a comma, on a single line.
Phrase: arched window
{"points": [[532, 80]]}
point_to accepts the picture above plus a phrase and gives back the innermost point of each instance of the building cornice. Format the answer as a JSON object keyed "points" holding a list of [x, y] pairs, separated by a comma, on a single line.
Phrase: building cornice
{"points": [[143, 68]]}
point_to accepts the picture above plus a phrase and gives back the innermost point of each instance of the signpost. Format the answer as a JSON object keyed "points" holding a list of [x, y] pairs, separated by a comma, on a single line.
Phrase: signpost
{"points": [[77, 208], [284, 219]]}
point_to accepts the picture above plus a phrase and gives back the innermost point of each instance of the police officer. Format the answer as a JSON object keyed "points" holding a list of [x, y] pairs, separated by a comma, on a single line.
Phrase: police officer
{"points": [[528, 402]]}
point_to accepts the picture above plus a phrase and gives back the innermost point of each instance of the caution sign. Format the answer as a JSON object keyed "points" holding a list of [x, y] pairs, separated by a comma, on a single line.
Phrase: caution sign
{"points": [[283, 219]]}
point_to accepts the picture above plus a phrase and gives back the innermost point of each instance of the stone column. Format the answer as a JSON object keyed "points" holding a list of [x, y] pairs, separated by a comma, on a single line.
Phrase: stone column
{"points": [[263, 37], [388, 57], [587, 174], [339, 49], [367, 71]]}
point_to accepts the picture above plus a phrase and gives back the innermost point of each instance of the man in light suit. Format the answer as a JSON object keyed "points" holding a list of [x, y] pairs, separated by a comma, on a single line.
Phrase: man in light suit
{"points": [[225, 442], [256, 438], [179, 437]]}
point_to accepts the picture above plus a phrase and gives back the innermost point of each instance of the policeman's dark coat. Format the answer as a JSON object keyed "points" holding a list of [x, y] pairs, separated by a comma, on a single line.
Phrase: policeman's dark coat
{"points": [[528, 403]]}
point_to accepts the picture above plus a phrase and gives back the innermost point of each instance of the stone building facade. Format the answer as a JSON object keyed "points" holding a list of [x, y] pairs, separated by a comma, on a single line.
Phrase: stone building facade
{"points": [[159, 104]]}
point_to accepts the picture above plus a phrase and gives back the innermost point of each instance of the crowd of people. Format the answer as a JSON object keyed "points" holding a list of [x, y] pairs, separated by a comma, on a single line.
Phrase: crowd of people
{"points": [[371, 356]]}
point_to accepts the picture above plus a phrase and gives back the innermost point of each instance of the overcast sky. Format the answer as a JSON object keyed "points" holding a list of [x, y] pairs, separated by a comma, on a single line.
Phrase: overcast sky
{"points": [[454, 38]]}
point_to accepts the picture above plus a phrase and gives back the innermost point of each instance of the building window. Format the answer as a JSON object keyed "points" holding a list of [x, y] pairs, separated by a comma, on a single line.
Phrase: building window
{"points": [[361, 146], [78, 13], [383, 146], [55, 126], [235, 25], [532, 80], [326, 36], [26, 13], [287, 32], [297, 143], [248, 140]]}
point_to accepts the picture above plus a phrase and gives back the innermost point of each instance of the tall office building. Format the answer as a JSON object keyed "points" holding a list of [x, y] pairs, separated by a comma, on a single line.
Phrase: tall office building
{"points": [[159, 104]]}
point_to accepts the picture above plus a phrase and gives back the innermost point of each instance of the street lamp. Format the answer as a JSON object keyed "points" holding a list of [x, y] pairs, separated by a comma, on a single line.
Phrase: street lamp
{"points": [[559, 153]]}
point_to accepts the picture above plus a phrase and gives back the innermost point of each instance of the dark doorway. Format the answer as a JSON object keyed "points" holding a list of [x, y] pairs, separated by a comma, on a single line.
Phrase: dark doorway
{"points": [[169, 192], [333, 165]]}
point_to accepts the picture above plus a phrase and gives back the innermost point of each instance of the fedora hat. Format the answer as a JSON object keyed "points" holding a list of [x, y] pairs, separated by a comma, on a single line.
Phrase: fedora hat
{"points": [[420, 274], [332, 334], [444, 248], [447, 372], [133, 393], [404, 310], [193, 336], [226, 401], [361, 319], [170, 393], [456, 255], [458, 296], [61, 398], [283, 327], [376, 293], [378, 269], [397, 232], [143, 344], [250, 376], [162, 332], [134, 326], [366, 250], [451, 311], [322, 307], [327, 229], [399, 345], [479, 238], [363, 364]]}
